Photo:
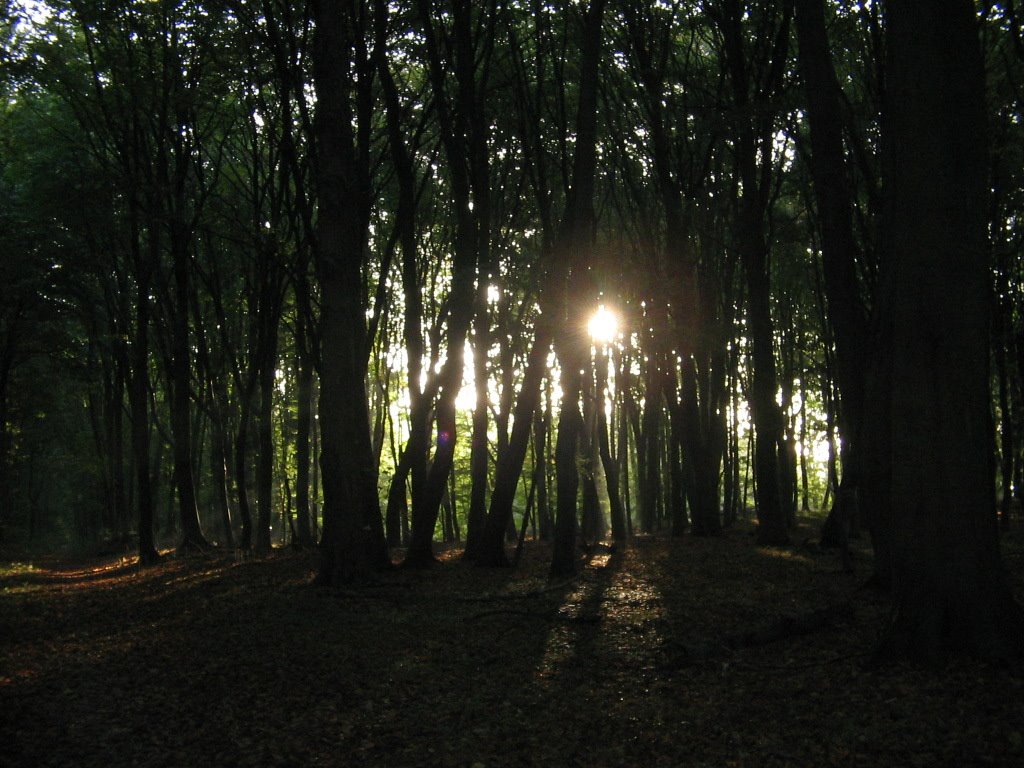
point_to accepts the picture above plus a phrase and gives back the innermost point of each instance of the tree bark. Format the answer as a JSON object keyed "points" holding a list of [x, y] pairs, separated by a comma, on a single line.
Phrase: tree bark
{"points": [[834, 198], [181, 393], [491, 551], [574, 245], [754, 139], [303, 443], [608, 463], [950, 593], [417, 447], [454, 128], [352, 543], [138, 397], [268, 318]]}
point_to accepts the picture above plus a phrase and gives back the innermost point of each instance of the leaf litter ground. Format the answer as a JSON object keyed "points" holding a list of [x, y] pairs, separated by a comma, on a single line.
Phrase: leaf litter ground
{"points": [[669, 652]]}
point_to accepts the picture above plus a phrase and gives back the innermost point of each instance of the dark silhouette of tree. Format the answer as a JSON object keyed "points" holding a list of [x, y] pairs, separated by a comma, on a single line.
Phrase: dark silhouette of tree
{"points": [[353, 542], [755, 79], [461, 133], [950, 595], [835, 205], [574, 242]]}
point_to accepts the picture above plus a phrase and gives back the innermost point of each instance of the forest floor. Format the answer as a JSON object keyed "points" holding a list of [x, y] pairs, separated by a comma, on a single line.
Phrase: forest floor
{"points": [[686, 652]]}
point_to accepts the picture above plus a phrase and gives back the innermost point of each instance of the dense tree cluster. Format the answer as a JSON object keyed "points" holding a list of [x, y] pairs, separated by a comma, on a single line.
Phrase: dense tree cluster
{"points": [[323, 271]]}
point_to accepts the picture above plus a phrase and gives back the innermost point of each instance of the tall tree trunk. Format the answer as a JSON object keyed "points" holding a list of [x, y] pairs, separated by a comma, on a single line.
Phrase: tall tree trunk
{"points": [[950, 592], [608, 463], [593, 525], [482, 335], [139, 395], [679, 479], [6, 491], [650, 490], [541, 430], [575, 244], [219, 456], [120, 500], [753, 157], [241, 457], [264, 459], [454, 127], [266, 362], [397, 504], [570, 425], [478, 454], [767, 418], [352, 544], [491, 550], [418, 445], [181, 393], [303, 452], [834, 198]]}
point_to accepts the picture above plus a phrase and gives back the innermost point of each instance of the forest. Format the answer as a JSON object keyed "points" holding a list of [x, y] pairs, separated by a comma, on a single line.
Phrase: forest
{"points": [[568, 352]]}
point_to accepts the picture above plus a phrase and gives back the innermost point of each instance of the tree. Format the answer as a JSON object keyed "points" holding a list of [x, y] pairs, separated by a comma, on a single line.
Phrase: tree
{"points": [[574, 244], [463, 135], [754, 88], [834, 199], [353, 542], [563, 272], [950, 595]]}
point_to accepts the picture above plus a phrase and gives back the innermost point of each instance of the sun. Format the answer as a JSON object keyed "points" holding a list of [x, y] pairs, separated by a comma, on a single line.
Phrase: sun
{"points": [[603, 325]]}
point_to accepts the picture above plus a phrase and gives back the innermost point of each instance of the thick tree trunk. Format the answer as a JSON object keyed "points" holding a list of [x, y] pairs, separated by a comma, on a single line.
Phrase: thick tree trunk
{"points": [[1002, 318], [680, 465], [951, 596], [424, 518], [352, 544], [6, 494], [120, 500], [752, 93], [593, 526]]}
